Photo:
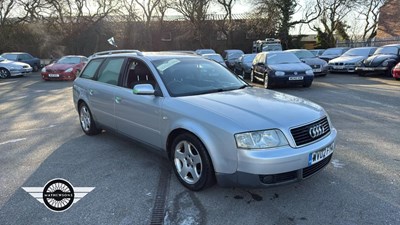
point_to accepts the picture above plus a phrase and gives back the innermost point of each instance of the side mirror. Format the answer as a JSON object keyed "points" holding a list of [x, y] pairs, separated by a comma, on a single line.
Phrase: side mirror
{"points": [[143, 89]]}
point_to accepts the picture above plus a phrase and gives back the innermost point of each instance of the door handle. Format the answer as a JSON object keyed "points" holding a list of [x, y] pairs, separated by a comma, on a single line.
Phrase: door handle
{"points": [[118, 99], [91, 92]]}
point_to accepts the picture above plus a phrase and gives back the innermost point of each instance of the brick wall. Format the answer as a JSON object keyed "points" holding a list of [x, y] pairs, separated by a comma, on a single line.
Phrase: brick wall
{"points": [[389, 20]]}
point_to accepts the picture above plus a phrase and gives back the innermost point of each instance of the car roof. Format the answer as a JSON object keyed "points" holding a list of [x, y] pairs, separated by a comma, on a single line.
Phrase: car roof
{"points": [[15, 53], [368, 47], [150, 55], [392, 45]]}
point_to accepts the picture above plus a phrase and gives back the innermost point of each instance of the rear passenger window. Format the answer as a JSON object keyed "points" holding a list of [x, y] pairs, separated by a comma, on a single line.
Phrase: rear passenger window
{"points": [[91, 69], [110, 71]]}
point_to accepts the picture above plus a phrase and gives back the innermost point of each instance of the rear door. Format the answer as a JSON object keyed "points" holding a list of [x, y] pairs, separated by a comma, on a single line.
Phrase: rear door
{"points": [[101, 91]]}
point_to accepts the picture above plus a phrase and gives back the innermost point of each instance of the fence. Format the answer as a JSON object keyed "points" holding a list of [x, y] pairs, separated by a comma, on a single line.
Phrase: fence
{"points": [[373, 42]]}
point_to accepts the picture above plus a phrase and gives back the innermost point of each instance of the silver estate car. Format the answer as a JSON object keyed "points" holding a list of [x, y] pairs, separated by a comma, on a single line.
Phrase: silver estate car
{"points": [[211, 124]]}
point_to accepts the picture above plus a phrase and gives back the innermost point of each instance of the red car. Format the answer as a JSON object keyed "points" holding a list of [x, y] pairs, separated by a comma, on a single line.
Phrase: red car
{"points": [[396, 72], [65, 68]]}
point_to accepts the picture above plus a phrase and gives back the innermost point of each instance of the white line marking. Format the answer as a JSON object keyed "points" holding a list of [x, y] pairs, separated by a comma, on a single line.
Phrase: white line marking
{"points": [[337, 164], [12, 141]]}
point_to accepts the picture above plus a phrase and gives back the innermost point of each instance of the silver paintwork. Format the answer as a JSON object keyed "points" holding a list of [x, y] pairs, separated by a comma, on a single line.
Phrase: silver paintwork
{"points": [[214, 118], [15, 68]]}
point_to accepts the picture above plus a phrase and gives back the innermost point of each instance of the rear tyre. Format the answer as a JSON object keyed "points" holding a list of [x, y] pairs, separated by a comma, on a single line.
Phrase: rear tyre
{"points": [[4, 73], [361, 74], [86, 119], [191, 162]]}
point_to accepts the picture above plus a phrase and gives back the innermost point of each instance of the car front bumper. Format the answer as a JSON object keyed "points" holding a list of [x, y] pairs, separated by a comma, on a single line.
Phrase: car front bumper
{"points": [[380, 69], [285, 80], [20, 72], [344, 68], [59, 76], [264, 168]]}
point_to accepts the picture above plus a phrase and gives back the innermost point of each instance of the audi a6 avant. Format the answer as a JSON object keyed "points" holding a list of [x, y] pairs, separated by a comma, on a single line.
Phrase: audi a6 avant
{"points": [[212, 125]]}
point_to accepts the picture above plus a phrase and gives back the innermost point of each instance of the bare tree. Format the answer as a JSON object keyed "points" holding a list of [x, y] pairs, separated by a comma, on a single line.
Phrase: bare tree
{"points": [[194, 11], [332, 19], [6, 6], [227, 25], [282, 12], [369, 11]]}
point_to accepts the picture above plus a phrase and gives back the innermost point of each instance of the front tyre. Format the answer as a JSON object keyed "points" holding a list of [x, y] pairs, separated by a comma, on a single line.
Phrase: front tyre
{"points": [[86, 119], [252, 76], [4, 73], [267, 82], [191, 162]]}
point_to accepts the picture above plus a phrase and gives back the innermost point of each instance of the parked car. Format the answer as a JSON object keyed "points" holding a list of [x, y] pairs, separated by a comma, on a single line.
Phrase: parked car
{"points": [[319, 66], [280, 68], [10, 68], [65, 68], [396, 72], [381, 62], [215, 57], [204, 51], [332, 53], [23, 57], [211, 124], [243, 65], [348, 61], [231, 56], [317, 52]]}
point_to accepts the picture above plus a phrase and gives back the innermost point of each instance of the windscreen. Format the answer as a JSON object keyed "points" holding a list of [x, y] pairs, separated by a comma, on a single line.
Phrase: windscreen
{"points": [[195, 76]]}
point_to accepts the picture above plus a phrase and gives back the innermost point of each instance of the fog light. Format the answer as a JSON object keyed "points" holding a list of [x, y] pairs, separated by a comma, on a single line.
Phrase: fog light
{"points": [[268, 179]]}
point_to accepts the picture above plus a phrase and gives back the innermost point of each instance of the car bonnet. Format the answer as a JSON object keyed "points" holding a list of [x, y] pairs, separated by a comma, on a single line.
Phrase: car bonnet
{"points": [[252, 108]]}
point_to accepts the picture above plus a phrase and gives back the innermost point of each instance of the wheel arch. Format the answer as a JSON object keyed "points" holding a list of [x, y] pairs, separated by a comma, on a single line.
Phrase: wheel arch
{"points": [[222, 158]]}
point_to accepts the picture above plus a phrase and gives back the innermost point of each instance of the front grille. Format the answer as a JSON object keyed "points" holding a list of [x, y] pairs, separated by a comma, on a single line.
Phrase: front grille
{"points": [[316, 167], [316, 66], [54, 71], [301, 135]]}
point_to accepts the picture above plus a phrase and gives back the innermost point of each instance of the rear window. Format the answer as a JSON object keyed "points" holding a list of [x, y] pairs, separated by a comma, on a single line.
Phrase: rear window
{"points": [[91, 68]]}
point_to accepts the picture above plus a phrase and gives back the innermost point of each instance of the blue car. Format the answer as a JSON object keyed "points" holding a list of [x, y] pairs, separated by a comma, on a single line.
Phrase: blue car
{"points": [[23, 57]]}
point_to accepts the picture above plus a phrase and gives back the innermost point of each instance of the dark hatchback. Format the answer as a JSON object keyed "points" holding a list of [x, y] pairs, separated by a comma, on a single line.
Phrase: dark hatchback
{"points": [[280, 68], [381, 62]]}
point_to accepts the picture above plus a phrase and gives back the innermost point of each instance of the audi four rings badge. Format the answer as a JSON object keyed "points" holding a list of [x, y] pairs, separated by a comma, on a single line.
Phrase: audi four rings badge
{"points": [[316, 131], [58, 194]]}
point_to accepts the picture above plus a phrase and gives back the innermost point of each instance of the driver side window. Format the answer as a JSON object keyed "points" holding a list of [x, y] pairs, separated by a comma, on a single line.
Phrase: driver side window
{"points": [[138, 73]]}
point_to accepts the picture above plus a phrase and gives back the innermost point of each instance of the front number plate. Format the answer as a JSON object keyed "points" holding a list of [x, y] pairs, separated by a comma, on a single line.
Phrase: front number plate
{"points": [[296, 78], [54, 75], [317, 156]]}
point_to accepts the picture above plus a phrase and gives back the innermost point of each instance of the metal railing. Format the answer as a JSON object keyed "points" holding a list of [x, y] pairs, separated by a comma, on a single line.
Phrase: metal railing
{"points": [[373, 42]]}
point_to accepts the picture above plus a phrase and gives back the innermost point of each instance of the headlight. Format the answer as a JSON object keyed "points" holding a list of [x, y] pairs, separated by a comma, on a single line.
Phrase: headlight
{"points": [[44, 70], [261, 139], [385, 63], [309, 72], [279, 73], [68, 70], [359, 63]]}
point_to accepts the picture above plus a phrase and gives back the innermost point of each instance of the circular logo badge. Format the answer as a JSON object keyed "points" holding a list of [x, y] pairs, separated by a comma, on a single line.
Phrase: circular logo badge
{"points": [[58, 195]]}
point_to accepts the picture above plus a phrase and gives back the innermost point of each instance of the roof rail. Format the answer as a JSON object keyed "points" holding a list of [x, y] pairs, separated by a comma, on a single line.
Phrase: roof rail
{"points": [[137, 52]]}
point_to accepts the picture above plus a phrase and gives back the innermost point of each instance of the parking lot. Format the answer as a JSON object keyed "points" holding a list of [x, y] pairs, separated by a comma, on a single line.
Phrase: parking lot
{"points": [[41, 139]]}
